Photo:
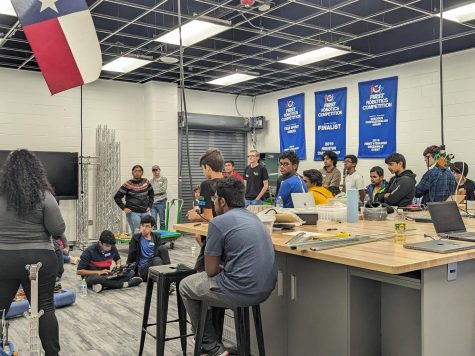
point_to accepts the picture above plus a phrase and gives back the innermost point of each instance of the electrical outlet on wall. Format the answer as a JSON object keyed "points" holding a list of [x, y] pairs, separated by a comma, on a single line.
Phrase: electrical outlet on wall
{"points": [[452, 271]]}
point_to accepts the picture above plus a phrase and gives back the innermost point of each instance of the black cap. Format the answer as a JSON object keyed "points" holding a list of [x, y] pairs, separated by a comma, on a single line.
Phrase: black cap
{"points": [[107, 237]]}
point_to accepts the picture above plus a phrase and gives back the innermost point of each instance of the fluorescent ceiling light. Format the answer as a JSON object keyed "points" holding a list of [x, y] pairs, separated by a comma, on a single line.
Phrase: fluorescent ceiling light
{"points": [[460, 14], [193, 32], [6, 8], [125, 64], [315, 56], [232, 79]]}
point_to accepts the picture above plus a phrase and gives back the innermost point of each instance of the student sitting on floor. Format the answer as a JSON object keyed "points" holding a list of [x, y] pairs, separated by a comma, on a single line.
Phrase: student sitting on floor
{"points": [[146, 248], [62, 243], [95, 265]]}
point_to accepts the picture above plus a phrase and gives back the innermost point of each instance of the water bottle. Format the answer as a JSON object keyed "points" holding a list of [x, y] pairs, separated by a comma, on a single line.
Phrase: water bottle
{"points": [[83, 288], [279, 203]]}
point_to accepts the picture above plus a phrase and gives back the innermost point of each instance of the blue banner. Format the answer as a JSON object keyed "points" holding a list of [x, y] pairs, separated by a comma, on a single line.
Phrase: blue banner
{"points": [[330, 123], [377, 117], [292, 124]]}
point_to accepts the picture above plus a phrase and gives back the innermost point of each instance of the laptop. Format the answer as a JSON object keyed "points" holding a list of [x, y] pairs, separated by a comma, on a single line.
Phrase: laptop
{"points": [[440, 246], [303, 200], [458, 198], [448, 221]]}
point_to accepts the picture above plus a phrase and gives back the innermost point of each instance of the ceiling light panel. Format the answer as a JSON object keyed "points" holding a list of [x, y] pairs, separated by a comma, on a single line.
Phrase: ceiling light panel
{"points": [[460, 14], [232, 79], [193, 32], [6, 8], [125, 64], [315, 56]]}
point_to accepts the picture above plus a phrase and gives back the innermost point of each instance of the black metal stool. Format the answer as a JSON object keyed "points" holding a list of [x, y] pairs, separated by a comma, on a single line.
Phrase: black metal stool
{"points": [[165, 275], [241, 324]]}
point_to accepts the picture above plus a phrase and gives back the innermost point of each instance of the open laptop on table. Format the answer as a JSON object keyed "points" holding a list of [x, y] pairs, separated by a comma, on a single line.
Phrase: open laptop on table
{"points": [[303, 200], [448, 221]]}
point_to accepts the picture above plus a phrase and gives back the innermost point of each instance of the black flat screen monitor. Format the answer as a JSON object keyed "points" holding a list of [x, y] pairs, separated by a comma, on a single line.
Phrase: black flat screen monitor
{"points": [[62, 171]]}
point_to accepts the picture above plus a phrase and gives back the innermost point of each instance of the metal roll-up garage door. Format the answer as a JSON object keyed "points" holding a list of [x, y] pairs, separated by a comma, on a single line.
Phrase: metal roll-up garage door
{"points": [[231, 143]]}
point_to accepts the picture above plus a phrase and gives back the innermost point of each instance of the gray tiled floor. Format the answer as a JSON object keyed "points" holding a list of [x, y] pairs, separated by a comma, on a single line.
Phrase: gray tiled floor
{"points": [[108, 323]]}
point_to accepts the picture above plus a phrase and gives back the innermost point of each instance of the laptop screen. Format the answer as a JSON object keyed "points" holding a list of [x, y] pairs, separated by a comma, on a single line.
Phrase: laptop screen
{"points": [[446, 217]]}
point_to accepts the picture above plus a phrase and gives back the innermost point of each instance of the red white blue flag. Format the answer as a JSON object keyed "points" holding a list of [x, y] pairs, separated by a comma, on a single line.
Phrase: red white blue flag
{"points": [[63, 39]]}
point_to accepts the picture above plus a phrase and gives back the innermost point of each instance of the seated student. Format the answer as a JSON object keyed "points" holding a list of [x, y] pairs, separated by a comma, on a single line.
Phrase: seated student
{"points": [[313, 179], [62, 243], [331, 175], [402, 186], [460, 171], [378, 185], [239, 242], [95, 265], [146, 249], [289, 162], [438, 183], [334, 190]]}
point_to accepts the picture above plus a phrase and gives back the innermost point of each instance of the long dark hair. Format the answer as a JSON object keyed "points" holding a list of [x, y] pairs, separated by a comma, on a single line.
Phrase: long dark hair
{"points": [[23, 182]]}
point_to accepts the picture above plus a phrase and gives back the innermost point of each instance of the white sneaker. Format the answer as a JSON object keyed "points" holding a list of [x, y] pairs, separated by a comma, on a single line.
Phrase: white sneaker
{"points": [[97, 288]]}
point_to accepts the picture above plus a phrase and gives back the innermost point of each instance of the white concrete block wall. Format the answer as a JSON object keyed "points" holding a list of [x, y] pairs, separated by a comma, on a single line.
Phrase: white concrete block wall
{"points": [[217, 104], [161, 123], [31, 118], [418, 111], [145, 117]]}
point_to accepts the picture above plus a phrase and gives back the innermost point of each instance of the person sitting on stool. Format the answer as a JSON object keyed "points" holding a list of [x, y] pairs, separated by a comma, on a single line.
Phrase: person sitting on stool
{"points": [[146, 249], [95, 265], [238, 240]]}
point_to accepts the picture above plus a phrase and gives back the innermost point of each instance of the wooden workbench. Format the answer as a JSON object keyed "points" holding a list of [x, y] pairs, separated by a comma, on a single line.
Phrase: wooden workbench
{"points": [[382, 256], [371, 299]]}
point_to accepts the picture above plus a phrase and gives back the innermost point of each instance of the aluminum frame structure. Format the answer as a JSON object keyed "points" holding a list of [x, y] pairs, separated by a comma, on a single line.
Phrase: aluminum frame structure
{"points": [[108, 214], [380, 32], [82, 211]]}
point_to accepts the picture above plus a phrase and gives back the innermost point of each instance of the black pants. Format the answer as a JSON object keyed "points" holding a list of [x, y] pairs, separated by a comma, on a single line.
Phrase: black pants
{"points": [[13, 273], [162, 259], [59, 257], [116, 283], [215, 315]]}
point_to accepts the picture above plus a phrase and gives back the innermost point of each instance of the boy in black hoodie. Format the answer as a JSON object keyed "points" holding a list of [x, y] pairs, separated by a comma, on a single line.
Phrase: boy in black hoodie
{"points": [[146, 249], [402, 187]]}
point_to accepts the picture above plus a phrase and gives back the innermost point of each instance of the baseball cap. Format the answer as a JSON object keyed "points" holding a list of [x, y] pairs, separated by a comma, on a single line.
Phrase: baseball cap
{"points": [[107, 237], [156, 167]]}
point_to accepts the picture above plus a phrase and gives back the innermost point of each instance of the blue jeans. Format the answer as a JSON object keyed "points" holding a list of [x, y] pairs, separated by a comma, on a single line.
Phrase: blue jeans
{"points": [[159, 208], [66, 257], [133, 219], [253, 202]]}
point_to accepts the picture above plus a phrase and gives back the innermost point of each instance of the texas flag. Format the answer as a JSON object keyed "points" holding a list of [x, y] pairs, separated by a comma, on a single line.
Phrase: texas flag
{"points": [[62, 36]]}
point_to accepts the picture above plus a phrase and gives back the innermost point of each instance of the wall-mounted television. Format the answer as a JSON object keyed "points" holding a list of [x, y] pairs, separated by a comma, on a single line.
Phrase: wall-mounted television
{"points": [[62, 171]]}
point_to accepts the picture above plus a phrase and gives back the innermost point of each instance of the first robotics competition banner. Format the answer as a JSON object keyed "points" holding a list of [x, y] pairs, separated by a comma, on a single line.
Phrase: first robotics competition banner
{"points": [[377, 117], [330, 122], [292, 124]]}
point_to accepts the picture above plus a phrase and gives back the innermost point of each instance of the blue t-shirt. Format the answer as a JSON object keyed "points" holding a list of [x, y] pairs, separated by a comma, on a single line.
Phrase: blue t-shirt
{"points": [[147, 251], [293, 184], [244, 244]]}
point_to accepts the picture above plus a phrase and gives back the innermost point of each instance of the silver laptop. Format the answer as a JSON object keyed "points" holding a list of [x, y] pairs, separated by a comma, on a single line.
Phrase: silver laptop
{"points": [[303, 200], [448, 221], [441, 246]]}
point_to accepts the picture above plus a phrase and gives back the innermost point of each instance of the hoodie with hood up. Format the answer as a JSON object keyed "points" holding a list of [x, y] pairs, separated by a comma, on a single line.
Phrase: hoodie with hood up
{"points": [[402, 189]]}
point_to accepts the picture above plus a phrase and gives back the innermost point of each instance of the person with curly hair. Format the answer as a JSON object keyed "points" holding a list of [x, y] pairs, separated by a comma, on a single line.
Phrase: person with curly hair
{"points": [[139, 195], [29, 216]]}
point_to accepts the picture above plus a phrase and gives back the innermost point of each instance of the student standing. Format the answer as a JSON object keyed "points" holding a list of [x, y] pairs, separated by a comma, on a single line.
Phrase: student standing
{"points": [[256, 179]]}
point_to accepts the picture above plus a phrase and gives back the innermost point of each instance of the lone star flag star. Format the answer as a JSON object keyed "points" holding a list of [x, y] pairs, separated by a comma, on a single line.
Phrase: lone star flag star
{"points": [[45, 4]]}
